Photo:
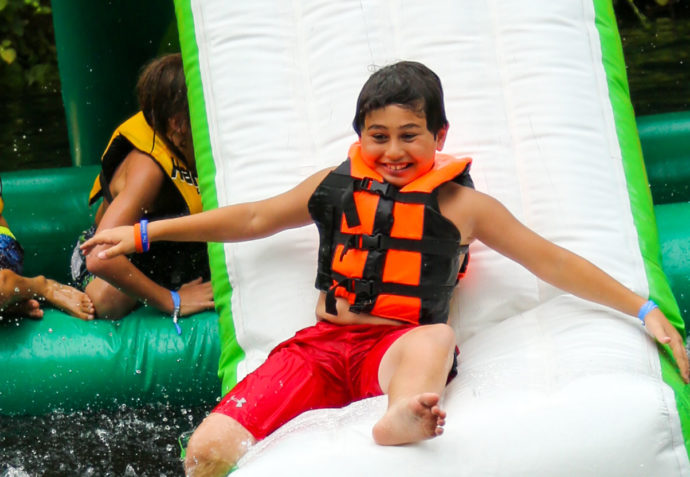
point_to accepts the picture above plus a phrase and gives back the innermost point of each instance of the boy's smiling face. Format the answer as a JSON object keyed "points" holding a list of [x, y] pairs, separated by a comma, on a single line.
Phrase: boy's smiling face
{"points": [[397, 144]]}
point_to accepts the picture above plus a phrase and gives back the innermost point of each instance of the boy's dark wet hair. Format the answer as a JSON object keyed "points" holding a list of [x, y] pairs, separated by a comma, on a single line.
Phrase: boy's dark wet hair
{"points": [[162, 92], [408, 84]]}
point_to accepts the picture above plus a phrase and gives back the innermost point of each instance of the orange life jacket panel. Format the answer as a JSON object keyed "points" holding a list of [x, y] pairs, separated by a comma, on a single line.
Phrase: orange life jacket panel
{"points": [[389, 251]]}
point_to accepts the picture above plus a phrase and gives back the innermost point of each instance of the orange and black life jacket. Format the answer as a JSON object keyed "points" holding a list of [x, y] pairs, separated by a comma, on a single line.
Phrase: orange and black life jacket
{"points": [[389, 251]]}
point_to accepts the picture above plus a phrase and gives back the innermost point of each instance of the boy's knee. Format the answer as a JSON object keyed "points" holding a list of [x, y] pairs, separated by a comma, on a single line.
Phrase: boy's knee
{"points": [[204, 458], [95, 265], [442, 334], [106, 300], [216, 446]]}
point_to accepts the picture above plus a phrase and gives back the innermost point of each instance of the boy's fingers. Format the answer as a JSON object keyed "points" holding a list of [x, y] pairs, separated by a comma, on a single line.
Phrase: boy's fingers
{"points": [[666, 334], [682, 360], [88, 245], [108, 252], [681, 357]]}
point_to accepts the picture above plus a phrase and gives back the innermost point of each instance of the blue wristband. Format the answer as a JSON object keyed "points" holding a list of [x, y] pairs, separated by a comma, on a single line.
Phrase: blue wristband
{"points": [[176, 310], [143, 226], [645, 309]]}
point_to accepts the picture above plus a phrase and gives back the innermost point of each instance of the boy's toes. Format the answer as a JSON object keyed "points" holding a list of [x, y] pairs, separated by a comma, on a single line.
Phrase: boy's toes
{"points": [[32, 309]]}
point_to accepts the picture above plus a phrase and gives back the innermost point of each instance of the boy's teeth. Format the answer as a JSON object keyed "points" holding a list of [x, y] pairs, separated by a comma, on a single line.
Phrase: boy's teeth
{"points": [[396, 167]]}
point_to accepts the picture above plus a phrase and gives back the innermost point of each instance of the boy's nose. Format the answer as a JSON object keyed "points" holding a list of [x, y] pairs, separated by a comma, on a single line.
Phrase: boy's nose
{"points": [[394, 151]]}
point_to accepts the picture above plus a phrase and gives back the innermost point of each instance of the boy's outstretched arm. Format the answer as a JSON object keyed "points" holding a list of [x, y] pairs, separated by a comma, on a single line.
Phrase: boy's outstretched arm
{"points": [[491, 223], [233, 223]]}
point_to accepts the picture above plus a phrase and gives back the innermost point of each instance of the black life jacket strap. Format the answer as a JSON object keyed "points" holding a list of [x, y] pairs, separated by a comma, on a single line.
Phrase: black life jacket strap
{"points": [[448, 248], [371, 289], [349, 185]]}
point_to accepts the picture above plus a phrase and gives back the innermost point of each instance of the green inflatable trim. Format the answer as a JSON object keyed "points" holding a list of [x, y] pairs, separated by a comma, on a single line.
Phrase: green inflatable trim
{"points": [[640, 198], [61, 362], [231, 352]]}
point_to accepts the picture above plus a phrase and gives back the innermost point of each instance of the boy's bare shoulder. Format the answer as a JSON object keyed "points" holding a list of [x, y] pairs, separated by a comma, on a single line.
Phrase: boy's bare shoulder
{"points": [[464, 206], [454, 196]]}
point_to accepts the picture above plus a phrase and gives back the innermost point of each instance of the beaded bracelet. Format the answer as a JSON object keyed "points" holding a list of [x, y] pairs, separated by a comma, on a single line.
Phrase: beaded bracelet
{"points": [[645, 309]]}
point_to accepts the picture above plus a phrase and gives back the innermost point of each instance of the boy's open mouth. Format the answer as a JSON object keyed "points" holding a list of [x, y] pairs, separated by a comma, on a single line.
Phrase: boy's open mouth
{"points": [[397, 167]]}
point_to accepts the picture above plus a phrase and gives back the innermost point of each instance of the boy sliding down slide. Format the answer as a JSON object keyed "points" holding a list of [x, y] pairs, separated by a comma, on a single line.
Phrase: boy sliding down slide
{"points": [[395, 220]]}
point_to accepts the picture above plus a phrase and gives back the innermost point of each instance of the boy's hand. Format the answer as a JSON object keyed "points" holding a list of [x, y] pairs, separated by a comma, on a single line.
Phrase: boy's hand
{"points": [[121, 239], [665, 333]]}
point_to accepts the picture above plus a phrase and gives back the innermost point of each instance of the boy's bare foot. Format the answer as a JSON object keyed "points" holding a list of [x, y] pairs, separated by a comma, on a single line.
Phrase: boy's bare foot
{"points": [[68, 299], [411, 420], [30, 308]]}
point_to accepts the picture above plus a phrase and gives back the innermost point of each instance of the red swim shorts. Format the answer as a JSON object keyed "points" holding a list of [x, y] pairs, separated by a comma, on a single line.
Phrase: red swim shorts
{"points": [[322, 366]]}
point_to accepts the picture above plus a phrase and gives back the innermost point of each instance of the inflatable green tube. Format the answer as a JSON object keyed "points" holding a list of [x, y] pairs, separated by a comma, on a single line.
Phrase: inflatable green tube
{"points": [[666, 147], [64, 363]]}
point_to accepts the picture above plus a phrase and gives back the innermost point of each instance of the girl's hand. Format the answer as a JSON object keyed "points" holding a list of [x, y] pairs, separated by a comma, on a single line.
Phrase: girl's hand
{"points": [[195, 296], [121, 239], [664, 332]]}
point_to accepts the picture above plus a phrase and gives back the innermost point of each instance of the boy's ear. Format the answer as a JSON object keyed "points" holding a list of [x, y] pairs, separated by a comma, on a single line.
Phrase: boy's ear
{"points": [[441, 137]]}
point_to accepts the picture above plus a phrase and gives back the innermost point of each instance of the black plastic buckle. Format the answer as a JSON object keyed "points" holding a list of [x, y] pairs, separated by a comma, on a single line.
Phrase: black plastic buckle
{"points": [[383, 189], [371, 242], [363, 287]]}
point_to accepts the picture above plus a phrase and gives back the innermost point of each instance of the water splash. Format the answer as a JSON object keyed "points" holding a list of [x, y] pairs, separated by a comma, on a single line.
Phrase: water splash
{"points": [[126, 442]]}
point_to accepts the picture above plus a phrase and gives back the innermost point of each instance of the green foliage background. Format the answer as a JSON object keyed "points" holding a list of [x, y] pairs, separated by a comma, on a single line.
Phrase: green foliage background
{"points": [[27, 46]]}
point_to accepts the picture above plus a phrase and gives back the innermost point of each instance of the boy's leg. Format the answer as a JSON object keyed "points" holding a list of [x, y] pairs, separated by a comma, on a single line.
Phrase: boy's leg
{"points": [[22, 292], [15, 296], [301, 373], [413, 373], [110, 303], [216, 446]]}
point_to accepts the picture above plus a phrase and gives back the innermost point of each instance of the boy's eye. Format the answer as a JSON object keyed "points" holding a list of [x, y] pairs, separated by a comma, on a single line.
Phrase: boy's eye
{"points": [[409, 137], [379, 137]]}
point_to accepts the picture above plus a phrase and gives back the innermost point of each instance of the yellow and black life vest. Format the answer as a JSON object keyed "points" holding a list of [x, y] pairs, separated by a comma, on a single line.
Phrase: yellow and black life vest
{"points": [[136, 133], [389, 251]]}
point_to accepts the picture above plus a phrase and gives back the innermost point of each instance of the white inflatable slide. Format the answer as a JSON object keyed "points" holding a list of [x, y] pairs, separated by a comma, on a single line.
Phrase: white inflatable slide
{"points": [[536, 94]]}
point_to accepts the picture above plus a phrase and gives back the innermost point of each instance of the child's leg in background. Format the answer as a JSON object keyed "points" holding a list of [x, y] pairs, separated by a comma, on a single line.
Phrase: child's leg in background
{"points": [[20, 295]]}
